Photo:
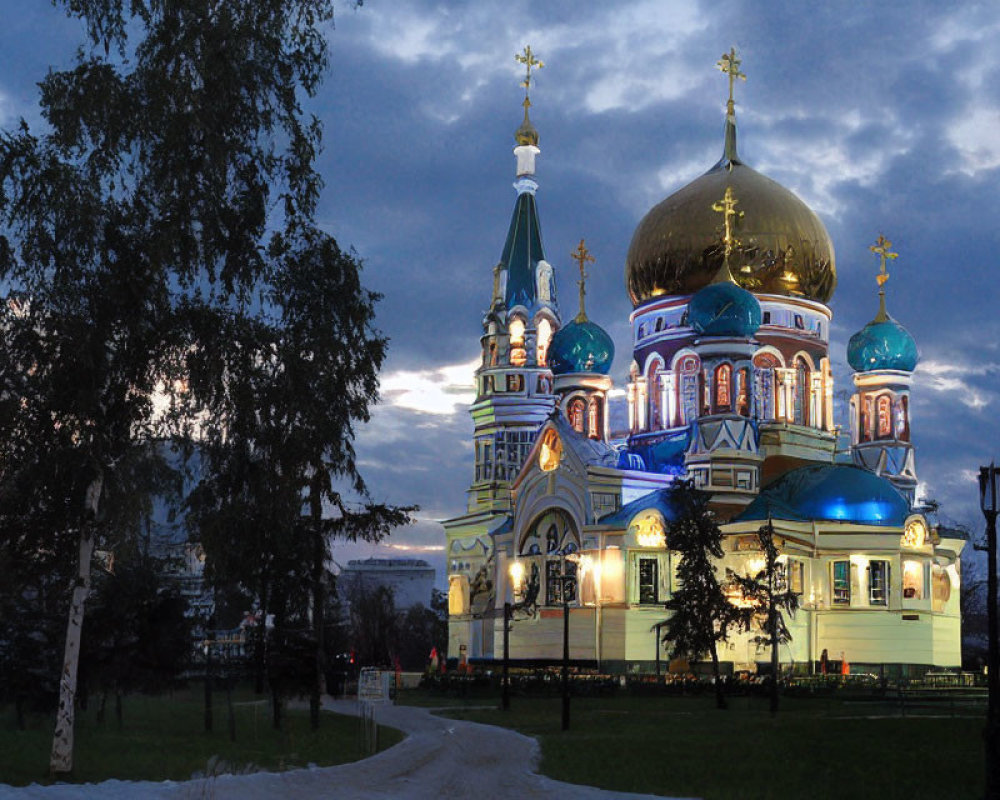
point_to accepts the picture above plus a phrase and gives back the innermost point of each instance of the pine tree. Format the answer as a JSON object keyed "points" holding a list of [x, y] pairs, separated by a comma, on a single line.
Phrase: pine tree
{"points": [[702, 616]]}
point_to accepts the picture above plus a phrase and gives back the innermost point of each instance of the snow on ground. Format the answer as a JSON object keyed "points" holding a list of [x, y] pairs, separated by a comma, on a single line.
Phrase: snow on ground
{"points": [[439, 758]]}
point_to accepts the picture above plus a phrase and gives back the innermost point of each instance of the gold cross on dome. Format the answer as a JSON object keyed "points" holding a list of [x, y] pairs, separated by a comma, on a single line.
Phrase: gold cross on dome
{"points": [[527, 57], [881, 248], [582, 256], [730, 64], [727, 207]]}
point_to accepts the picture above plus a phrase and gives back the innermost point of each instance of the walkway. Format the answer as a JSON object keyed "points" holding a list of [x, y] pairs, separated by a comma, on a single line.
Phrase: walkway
{"points": [[440, 758]]}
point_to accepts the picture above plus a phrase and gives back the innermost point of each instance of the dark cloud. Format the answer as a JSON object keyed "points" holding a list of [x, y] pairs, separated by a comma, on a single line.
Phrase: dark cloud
{"points": [[881, 116]]}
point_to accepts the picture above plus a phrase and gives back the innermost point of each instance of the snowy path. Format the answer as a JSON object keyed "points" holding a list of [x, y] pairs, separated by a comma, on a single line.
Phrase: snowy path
{"points": [[440, 758]]}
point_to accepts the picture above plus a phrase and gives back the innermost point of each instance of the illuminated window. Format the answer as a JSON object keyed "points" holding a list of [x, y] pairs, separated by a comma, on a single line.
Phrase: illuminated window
{"points": [[575, 414], [550, 451], [796, 576], [723, 387], [841, 583], [458, 594], [878, 583], [884, 417], [515, 383], [544, 337], [742, 392], [914, 534], [914, 580], [867, 419], [594, 419], [649, 580], [653, 390], [517, 355]]}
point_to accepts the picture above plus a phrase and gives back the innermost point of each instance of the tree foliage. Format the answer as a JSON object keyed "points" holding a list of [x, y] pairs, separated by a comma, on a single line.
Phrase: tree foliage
{"points": [[768, 597], [158, 235], [701, 616]]}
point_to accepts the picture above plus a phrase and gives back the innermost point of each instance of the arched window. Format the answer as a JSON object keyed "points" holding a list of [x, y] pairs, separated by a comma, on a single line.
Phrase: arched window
{"points": [[654, 396], [884, 417], [544, 337], [866, 419], [688, 370], [704, 393], [723, 387], [517, 355], [594, 419], [766, 386], [575, 414], [802, 389], [904, 404], [742, 392]]}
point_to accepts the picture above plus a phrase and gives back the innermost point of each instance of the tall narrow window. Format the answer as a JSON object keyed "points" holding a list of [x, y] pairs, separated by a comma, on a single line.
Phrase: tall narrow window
{"points": [[842, 583], [544, 337], [878, 583], [743, 392], [866, 419], [649, 581], [764, 366], [553, 584], [594, 419], [802, 386], [723, 387], [575, 414], [884, 417], [517, 355], [654, 396], [796, 576]]}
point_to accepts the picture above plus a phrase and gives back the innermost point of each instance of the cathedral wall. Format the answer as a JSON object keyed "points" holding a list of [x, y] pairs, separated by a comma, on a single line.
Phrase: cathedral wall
{"points": [[876, 637]]}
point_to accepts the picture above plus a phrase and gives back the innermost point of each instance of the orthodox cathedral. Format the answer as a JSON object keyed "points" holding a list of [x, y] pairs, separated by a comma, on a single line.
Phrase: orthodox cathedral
{"points": [[730, 385]]}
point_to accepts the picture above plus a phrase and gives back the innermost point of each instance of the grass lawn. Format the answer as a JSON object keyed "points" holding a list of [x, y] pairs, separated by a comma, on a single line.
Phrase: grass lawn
{"points": [[814, 748], [164, 738]]}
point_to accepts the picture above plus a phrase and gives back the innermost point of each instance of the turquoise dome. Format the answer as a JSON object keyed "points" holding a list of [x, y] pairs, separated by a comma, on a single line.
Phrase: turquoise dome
{"points": [[833, 492], [724, 309], [882, 344], [581, 346]]}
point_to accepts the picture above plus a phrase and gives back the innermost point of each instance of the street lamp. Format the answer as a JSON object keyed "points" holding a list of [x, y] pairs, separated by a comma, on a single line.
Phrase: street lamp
{"points": [[567, 581], [988, 480], [527, 601]]}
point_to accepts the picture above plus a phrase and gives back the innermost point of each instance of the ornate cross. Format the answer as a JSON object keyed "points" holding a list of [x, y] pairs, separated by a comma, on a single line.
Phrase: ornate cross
{"points": [[881, 248], [727, 207], [582, 255], [527, 57], [730, 64]]}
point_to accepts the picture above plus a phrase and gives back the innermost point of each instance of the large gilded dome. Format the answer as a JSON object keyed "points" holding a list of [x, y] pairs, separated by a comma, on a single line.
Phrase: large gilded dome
{"points": [[781, 246]]}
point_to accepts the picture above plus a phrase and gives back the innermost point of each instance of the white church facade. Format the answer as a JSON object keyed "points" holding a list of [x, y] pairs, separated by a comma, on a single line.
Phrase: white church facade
{"points": [[731, 386]]}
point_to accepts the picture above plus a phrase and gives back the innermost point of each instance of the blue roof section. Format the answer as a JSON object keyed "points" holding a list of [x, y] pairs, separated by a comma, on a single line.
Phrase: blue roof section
{"points": [[833, 493], [882, 345], [522, 252], [665, 456], [724, 309], [581, 346], [659, 499]]}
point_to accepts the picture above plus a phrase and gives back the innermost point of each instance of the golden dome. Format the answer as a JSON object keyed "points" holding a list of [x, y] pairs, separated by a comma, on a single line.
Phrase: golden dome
{"points": [[780, 247]]}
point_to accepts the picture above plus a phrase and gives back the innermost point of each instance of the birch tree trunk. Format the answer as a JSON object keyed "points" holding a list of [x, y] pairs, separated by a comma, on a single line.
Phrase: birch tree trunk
{"points": [[62, 741]]}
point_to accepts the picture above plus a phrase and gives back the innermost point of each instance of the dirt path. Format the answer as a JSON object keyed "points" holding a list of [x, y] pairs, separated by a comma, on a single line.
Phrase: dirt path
{"points": [[440, 759]]}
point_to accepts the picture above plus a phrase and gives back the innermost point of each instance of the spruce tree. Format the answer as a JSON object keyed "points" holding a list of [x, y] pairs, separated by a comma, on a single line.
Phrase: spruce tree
{"points": [[701, 615]]}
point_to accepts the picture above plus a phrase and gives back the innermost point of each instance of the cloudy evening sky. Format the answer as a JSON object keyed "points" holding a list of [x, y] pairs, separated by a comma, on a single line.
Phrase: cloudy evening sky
{"points": [[883, 117]]}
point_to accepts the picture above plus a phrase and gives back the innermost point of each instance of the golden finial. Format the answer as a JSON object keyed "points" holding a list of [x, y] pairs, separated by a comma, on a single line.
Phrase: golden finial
{"points": [[882, 249], [730, 64], [582, 255], [527, 134], [727, 207]]}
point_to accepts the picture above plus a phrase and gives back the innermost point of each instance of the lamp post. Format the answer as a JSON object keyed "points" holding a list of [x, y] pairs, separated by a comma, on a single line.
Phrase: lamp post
{"points": [[567, 582], [517, 582], [988, 480]]}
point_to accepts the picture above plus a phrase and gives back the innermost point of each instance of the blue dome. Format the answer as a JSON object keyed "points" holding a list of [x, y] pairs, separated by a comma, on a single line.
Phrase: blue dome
{"points": [[882, 344], [834, 492], [581, 346], [724, 309]]}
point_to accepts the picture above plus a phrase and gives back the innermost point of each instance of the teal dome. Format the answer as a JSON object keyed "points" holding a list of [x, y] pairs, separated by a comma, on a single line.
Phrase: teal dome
{"points": [[833, 492], [724, 309], [581, 346], [882, 344]]}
